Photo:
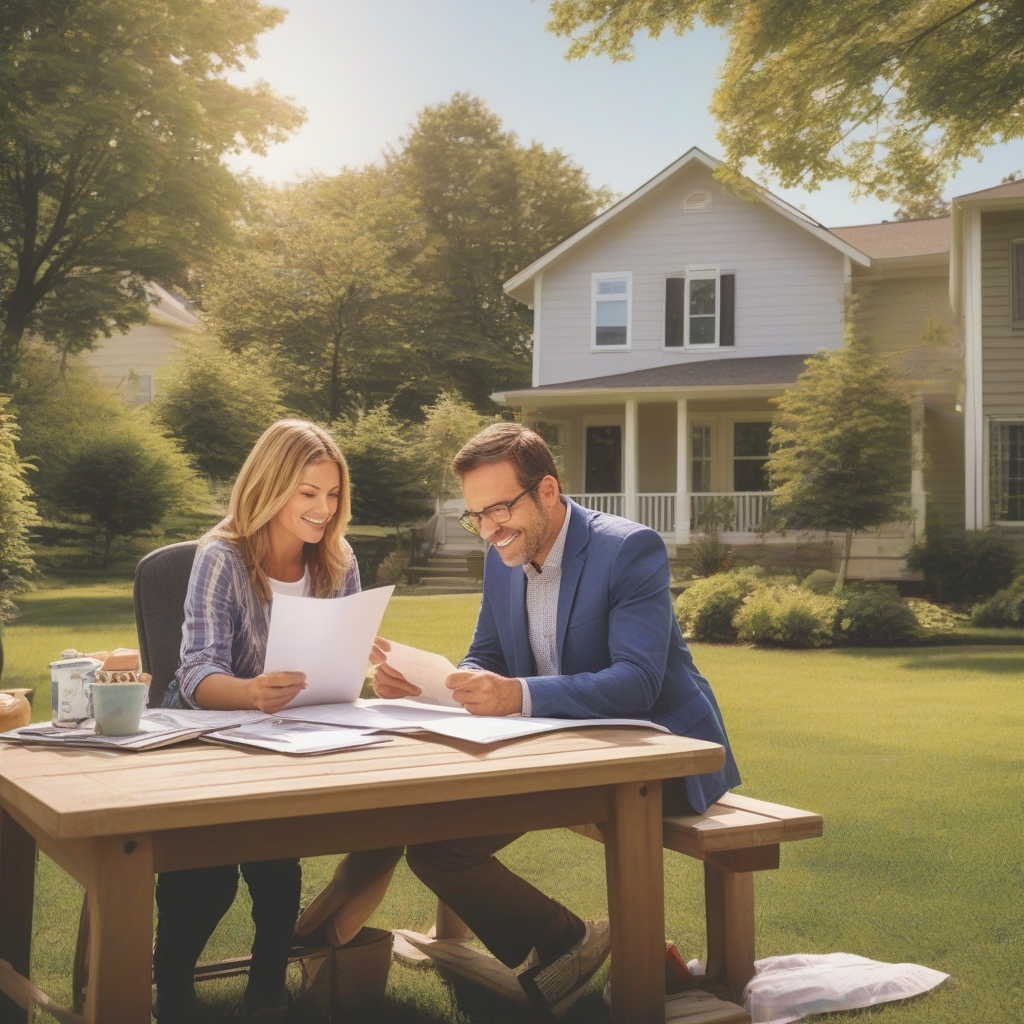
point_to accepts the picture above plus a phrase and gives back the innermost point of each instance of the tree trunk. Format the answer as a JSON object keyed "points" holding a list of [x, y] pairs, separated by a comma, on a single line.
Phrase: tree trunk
{"points": [[10, 340], [335, 397], [844, 563], [108, 540]]}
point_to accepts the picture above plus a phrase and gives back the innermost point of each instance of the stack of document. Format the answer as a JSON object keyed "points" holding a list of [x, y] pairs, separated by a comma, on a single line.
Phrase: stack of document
{"points": [[281, 736]]}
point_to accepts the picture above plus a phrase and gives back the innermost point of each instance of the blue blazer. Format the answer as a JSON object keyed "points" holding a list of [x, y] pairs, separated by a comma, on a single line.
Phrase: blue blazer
{"points": [[620, 649]]}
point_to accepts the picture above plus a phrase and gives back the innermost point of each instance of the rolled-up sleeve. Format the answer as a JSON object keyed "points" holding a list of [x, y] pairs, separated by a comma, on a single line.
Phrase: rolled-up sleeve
{"points": [[210, 610]]}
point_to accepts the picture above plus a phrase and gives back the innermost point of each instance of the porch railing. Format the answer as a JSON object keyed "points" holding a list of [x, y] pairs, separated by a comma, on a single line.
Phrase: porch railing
{"points": [[658, 511]]}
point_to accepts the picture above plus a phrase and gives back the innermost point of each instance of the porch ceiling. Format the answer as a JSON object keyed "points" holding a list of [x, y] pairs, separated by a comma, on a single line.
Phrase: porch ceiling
{"points": [[712, 378]]}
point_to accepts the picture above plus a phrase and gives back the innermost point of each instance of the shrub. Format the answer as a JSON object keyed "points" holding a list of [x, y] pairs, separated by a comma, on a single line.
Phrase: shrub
{"points": [[961, 567], [821, 581], [933, 618], [1005, 608], [875, 615], [787, 616], [708, 554], [706, 608], [391, 570]]}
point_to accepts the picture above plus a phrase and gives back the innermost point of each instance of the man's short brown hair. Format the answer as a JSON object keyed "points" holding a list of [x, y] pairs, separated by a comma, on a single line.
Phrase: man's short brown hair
{"points": [[508, 442]]}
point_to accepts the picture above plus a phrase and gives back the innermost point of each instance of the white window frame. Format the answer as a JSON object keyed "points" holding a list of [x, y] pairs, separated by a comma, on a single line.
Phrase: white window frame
{"points": [[990, 422], [764, 417], [701, 274], [611, 276]]}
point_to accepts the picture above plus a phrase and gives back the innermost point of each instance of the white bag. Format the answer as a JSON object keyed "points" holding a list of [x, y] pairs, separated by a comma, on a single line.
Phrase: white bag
{"points": [[787, 988]]}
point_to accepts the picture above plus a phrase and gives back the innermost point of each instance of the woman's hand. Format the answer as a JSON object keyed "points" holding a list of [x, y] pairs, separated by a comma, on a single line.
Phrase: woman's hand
{"points": [[387, 682], [271, 691]]}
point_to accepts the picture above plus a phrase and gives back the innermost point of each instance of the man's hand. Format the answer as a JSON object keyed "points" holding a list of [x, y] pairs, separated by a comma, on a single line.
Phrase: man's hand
{"points": [[486, 693], [387, 682], [271, 691]]}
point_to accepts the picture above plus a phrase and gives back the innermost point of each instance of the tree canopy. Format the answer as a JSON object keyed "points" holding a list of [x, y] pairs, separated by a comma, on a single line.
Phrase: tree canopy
{"points": [[840, 454], [892, 94], [114, 120]]}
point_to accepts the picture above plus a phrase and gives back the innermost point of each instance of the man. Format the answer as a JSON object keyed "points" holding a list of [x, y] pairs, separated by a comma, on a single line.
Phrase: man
{"points": [[576, 621]]}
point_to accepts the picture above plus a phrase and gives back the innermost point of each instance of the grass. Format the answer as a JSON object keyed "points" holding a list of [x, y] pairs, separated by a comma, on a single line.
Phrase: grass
{"points": [[912, 756]]}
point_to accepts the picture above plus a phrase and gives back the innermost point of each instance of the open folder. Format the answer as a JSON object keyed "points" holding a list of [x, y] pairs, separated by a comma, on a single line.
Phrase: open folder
{"points": [[327, 638]]}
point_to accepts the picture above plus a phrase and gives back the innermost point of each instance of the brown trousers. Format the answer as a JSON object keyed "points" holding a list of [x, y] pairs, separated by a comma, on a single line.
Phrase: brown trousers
{"points": [[507, 914]]}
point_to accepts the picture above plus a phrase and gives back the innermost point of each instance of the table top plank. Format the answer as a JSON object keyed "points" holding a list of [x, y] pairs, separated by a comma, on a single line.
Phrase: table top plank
{"points": [[88, 795]]}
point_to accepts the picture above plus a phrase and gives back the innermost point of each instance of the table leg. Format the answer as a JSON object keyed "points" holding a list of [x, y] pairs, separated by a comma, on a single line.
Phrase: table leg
{"points": [[17, 891], [729, 908], [120, 931], [636, 902]]}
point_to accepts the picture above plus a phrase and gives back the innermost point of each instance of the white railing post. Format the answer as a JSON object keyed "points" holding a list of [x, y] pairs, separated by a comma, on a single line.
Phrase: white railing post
{"points": [[682, 473], [630, 460]]}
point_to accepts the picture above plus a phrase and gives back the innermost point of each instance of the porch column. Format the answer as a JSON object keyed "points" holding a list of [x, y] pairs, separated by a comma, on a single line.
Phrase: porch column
{"points": [[682, 473], [631, 460], [974, 421], [917, 495]]}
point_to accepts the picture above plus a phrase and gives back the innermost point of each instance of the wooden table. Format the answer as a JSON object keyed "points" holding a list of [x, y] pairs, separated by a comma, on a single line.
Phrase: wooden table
{"points": [[112, 821]]}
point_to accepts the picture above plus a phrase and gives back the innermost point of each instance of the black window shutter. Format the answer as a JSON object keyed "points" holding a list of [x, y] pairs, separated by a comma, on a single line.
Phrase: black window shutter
{"points": [[675, 290], [727, 307]]}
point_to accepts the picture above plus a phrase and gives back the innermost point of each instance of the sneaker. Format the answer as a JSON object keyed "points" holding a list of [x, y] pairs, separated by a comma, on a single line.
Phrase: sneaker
{"points": [[554, 985]]}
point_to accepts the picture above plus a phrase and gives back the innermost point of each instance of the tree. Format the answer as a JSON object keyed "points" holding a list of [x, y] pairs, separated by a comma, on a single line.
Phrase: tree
{"points": [[840, 444], [116, 115], [17, 516], [216, 405], [492, 206], [383, 469], [313, 285], [447, 425], [123, 480], [892, 95]]}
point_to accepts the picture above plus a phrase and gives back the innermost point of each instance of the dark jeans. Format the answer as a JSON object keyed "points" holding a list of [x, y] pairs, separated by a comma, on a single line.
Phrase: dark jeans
{"points": [[191, 903], [507, 914]]}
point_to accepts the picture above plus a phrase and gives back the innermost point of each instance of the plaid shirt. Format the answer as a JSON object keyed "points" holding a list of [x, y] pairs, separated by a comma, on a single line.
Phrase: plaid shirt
{"points": [[226, 621]]}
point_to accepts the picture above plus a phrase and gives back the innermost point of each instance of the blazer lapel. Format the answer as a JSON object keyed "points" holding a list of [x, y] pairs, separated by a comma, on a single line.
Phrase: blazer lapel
{"points": [[573, 560], [522, 655]]}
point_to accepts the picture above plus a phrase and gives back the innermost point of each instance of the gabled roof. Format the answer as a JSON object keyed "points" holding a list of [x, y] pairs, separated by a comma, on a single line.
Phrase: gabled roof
{"points": [[1009, 190], [724, 372], [898, 239], [519, 285]]}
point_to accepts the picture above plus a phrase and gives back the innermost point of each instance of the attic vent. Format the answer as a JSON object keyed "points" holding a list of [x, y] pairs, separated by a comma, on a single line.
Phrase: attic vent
{"points": [[697, 202]]}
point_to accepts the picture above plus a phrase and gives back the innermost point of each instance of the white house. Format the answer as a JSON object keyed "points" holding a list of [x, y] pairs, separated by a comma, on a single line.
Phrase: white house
{"points": [[131, 361], [664, 327]]}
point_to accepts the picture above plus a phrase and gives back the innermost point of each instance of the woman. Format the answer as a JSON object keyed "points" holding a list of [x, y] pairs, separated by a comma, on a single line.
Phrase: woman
{"points": [[284, 534]]}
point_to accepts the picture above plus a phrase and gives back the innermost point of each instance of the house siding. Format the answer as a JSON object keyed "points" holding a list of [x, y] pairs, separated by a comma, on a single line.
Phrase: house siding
{"points": [[146, 350], [789, 285], [1002, 346], [944, 465], [896, 311]]}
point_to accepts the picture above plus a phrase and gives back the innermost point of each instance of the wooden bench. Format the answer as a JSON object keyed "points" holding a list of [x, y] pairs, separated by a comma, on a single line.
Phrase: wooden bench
{"points": [[734, 838]]}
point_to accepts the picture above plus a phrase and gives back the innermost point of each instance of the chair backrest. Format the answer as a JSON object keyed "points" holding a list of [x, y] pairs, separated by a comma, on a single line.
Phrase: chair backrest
{"points": [[161, 583]]}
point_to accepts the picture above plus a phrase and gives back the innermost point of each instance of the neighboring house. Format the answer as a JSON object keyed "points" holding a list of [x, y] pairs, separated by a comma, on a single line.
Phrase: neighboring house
{"points": [[130, 362], [664, 327]]}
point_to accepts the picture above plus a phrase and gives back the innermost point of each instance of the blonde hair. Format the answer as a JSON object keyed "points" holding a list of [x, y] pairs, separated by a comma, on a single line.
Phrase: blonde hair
{"points": [[265, 484]]}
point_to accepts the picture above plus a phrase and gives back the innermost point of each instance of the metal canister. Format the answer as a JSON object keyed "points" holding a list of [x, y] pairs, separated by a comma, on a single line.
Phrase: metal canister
{"points": [[71, 682]]}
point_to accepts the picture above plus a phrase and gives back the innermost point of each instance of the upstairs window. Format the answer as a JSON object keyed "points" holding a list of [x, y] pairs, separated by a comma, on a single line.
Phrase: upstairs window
{"points": [[700, 310], [612, 308], [750, 456]]}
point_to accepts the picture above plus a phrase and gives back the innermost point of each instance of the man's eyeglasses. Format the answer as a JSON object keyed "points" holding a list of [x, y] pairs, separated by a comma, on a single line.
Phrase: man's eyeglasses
{"points": [[498, 514]]}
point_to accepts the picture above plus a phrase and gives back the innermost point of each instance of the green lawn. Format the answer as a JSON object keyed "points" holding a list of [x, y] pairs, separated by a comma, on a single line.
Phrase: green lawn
{"points": [[913, 757]]}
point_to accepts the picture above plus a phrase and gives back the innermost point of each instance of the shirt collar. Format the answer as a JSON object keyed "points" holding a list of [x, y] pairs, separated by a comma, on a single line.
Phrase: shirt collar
{"points": [[554, 559]]}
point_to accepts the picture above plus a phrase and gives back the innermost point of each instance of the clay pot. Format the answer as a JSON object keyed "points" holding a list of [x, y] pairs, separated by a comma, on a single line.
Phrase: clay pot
{"points": [[15, 710]]}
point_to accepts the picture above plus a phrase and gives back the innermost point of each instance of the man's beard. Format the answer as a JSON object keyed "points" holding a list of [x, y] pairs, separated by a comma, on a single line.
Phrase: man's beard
{"points": [[530, 539]]}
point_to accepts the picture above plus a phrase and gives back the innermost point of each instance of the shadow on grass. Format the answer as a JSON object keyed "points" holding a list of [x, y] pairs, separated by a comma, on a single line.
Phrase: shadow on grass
{"points": [[993, 661], [78, 612]]}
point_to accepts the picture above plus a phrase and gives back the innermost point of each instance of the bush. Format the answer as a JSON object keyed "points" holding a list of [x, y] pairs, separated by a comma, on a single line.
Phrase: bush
{"points": [[708, 554], [706, 608], [875, 615], [821, 581], [1005, 608], [933, 618], [391, 570], [787, 616], [961, 567]]}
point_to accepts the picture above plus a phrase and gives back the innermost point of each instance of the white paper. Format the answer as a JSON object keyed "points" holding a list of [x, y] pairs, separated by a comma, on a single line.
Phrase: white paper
{"points": [[287, 737], [380, 715], [200, 718], [327, 638], [487, 729], [426, 670], [151, 734]]}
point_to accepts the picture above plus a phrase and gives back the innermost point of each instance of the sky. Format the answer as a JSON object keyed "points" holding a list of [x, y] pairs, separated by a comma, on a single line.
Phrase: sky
{"points": [[363, 69]]}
